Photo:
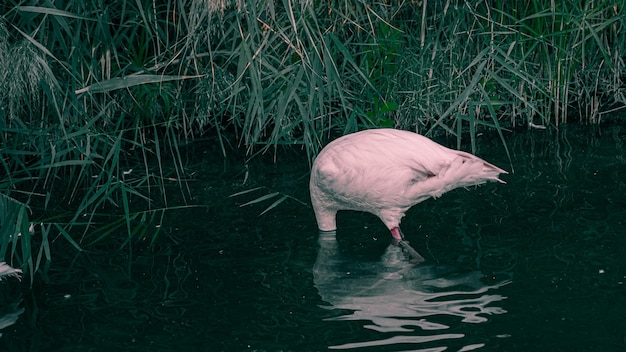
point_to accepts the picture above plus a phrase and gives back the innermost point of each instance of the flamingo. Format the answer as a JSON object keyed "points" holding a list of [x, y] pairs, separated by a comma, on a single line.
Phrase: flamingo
{"points": [[385, 172]]}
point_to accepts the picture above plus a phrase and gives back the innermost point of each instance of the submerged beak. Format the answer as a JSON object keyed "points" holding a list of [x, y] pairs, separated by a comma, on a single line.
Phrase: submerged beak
{"points": [[398, 240]]}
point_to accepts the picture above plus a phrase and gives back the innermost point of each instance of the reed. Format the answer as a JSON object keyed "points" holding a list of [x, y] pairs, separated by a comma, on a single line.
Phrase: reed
{"points": [[96, 100]]}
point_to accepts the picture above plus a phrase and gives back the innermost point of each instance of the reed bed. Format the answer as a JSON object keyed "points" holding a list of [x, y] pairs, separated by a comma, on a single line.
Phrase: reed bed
{"points": [[96, 98]]}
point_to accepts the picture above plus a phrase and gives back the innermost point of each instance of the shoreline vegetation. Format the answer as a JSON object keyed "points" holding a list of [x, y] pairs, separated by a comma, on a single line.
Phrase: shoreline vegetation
{"points": [[96, 99]]}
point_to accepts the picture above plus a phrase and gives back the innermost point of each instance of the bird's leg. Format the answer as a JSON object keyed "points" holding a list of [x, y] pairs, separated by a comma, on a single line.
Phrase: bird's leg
{"points": [[327, 264], [327, 239], [397, 235], [398, 240]]}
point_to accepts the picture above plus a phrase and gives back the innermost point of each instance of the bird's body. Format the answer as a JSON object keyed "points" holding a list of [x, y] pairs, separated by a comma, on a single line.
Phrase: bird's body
{"points": [[387, 171]]}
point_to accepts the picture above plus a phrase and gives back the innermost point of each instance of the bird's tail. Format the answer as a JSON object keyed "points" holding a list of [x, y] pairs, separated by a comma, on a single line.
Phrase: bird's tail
{"points": [[469, 170]]}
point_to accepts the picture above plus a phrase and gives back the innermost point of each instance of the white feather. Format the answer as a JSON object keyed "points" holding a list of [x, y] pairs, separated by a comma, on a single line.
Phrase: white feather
{"points": [[387, 171], [7, 271]]}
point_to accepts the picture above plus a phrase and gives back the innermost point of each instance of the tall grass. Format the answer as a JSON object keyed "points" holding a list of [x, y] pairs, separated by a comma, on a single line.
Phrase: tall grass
{"points": [[84, 129], [95, 99], [497, 64]]}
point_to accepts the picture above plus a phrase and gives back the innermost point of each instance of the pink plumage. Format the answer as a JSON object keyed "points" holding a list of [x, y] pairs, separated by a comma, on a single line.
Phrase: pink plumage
{"points": [[387, 171]]}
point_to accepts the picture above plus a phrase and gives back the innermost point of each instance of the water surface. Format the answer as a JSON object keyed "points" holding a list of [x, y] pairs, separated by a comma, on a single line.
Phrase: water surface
{"points": [[535, 264]]}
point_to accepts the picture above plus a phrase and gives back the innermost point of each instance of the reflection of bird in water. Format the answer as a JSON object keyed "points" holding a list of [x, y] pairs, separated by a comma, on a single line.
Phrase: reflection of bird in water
{"points": [[387, 171], [405, 304], [9, 298]]}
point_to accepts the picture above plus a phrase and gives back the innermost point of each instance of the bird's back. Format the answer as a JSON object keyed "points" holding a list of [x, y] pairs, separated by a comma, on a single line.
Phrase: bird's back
{"points": [[386, 171]]}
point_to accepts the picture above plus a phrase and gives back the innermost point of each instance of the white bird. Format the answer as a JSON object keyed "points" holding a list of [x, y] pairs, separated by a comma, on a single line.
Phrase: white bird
{"points": [[7, 271], [385, 172]]}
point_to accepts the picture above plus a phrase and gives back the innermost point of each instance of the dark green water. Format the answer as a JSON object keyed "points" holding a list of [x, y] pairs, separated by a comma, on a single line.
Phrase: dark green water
{"points": [[538, 264]]}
